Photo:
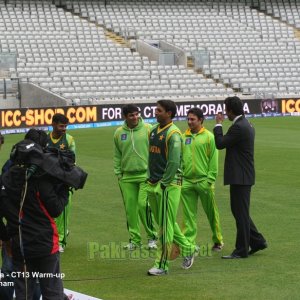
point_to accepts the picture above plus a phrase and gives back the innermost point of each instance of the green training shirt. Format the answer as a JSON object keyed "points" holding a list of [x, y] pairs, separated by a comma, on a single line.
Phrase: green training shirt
{"points": [[65, 142], [200, 156], [131, 150], [165, 151]]}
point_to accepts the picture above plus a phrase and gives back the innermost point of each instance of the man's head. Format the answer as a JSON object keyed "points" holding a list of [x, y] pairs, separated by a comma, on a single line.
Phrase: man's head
{"points": [[195, 119], [165, 111], [59, 124], [233, 107], [131, 115]]}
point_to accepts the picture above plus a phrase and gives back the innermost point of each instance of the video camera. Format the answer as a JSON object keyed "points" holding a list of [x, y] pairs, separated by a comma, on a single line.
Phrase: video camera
{"points": [[57, 163]]}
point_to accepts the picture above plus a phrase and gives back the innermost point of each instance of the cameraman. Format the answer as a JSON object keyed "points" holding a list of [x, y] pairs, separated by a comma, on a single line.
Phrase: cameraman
{"points": [[30, 200], [60, 139], [6, 292]]}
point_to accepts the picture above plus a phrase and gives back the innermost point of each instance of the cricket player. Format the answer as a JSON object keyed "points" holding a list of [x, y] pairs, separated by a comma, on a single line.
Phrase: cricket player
{"points": [[61, 140], [200, 169], [164, 187], [130, 165]]}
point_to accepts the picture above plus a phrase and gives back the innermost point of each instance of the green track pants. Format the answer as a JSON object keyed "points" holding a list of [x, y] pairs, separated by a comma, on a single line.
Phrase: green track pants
{"points": [[137, 209], [164, 204], [62, 222], [190, 194]]}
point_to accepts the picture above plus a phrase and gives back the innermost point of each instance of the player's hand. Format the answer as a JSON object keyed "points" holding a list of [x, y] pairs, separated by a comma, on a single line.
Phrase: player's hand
{"points": [[207, 186], [219, 118]]}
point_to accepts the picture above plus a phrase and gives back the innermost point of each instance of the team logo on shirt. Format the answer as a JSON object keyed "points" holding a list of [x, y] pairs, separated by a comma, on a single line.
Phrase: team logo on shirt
{"points": [[161, 137], [124, 137], [62, 146], [188, 141]]}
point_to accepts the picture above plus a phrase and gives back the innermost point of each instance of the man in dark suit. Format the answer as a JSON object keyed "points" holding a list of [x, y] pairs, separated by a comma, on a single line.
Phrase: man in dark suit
{"points": [[239, 173]]}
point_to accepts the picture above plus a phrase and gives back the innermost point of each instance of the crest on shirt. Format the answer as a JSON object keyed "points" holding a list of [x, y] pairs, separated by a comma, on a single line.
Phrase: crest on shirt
{"points": [[124, 137], [62, 146], [161, 137], [188, 141]]}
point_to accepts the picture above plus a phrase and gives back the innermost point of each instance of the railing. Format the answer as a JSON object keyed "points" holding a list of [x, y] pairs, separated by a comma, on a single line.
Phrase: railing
{"points": [[9, 87]]}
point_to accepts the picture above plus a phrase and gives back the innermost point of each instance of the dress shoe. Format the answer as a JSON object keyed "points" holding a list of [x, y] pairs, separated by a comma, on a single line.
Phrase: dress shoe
{"points": [[232, 256], [261, 247]]}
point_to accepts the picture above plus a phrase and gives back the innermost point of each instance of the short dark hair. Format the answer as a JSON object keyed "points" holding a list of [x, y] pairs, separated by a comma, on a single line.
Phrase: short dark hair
{"points": [[129, 108], [38, 136], [197, 112], [168, 105], [235, 105], [60, 118]]}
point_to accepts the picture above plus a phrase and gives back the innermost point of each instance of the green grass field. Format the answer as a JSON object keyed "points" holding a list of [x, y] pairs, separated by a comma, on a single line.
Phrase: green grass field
{"points": [[98, 216]]}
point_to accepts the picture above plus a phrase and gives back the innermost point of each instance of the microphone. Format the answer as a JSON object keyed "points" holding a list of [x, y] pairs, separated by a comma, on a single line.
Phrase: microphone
{"points": [[30, 171]]}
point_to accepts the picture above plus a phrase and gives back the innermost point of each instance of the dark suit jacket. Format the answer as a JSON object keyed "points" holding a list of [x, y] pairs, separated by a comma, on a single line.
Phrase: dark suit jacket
{"points": [[239, 144]]}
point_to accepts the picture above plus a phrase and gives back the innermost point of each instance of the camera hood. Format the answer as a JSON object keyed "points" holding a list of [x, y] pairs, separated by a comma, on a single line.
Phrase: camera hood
{"points": [[57, 163]]}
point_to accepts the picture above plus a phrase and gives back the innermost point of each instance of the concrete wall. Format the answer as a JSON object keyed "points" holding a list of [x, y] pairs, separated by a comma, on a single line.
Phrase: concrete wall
{"points": [[9, 102], [35, 96], [145, 49], [181, 57]]}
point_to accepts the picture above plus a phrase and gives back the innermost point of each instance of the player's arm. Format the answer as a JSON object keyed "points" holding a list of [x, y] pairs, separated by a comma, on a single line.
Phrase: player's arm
{"points": [[232, 137], [117, 156], [173, 158], [149, 127], [71, 144], [213, 161]]}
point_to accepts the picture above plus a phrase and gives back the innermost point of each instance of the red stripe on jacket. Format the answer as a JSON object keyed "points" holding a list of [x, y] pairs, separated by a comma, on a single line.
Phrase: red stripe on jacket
{"points": [[55, 238]]}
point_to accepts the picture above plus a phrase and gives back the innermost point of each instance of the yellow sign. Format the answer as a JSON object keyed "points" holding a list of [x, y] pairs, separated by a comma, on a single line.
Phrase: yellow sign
{"points": [[43, 116], [290, 106]]}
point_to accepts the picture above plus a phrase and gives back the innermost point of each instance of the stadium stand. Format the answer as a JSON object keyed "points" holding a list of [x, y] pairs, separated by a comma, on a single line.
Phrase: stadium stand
{"points": [[9, 83], [75, 52], [72, 57], [249, 50], [287, 11]]}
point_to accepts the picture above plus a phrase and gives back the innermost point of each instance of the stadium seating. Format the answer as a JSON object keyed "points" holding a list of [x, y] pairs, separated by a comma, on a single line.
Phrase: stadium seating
{"points": [[249, 50], [74, 58], [252, 47], [287, 11]]}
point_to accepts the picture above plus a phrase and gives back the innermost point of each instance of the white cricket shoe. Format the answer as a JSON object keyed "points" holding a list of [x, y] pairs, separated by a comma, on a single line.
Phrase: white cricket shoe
{"points": [[157, 272], [152, 245]]}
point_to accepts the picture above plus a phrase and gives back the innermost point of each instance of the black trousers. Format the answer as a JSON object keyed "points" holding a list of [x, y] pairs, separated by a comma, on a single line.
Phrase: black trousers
{"points": [[6, 292], [247, 234], [25, 283]]}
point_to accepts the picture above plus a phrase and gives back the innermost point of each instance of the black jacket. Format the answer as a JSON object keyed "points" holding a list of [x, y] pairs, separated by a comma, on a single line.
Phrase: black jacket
{"points": [[45, 200], [239, 159]]}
